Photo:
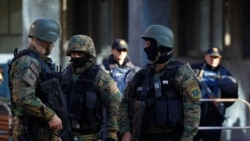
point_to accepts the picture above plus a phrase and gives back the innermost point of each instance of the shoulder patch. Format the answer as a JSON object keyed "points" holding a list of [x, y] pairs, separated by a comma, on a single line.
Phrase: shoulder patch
{"points": [[30, 75], [194, 92]]}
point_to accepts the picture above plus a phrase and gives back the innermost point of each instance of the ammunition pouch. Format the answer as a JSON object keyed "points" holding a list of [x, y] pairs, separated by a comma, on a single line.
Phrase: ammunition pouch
{"points": [[167, 114], [86, 110], [83, 101], [168, 109], [164, 105], [171, 116]]}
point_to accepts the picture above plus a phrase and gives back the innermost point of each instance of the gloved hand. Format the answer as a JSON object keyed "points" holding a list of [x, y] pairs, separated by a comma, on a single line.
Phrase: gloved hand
{"points": [[109, 139]]}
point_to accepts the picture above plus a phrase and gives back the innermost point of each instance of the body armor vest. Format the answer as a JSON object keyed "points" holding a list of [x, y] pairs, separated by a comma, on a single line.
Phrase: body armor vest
{"points": [[164, 107], [31, 123], [46, 72], [83, 100]]}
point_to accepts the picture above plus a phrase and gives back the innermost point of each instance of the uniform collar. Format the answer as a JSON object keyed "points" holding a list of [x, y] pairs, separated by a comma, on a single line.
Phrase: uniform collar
{"points": [[161, 67], [112, 63], [42, 56]]}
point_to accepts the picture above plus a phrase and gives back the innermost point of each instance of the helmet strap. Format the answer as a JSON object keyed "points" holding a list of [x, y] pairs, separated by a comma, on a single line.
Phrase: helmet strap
{"points": [[164, 57]]}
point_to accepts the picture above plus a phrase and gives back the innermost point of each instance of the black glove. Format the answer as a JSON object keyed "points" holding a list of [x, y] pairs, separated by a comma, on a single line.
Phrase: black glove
{"points": [[109, 139]]}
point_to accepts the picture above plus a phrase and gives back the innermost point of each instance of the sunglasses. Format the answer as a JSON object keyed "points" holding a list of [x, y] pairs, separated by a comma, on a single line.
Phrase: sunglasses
{"points": [[124, 50]]}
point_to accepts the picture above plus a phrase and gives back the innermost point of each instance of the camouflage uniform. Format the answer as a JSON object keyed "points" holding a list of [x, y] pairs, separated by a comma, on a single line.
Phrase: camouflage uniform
{"points": [[100, 83], [190, 92], [25, 78], [167, 92]]}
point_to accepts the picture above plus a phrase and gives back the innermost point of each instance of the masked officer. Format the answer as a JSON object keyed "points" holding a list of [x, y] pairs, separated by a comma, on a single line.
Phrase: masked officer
{"points": [[222, 85], [162, 101], [29, 68], [88, 90]]}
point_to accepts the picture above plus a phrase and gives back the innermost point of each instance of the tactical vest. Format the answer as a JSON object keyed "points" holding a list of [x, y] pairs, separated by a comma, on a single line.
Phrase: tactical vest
{"points": [[46, 71], [83, 100], [30, 123], [164, 108]]}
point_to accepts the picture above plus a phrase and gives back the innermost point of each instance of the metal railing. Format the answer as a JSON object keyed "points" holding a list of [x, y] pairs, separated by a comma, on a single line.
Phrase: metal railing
{"points": [[225, 100], [201, 100], [6, 121]]}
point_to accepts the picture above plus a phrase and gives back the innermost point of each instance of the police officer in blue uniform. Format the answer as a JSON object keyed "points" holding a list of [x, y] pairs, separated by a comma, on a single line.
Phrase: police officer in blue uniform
{"points": [[222, 85], [118, 64]]}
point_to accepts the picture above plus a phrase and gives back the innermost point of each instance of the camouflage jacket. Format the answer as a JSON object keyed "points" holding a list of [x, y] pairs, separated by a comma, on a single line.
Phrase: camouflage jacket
{"points": [[107, 92], [186, 86], [25, 77]]}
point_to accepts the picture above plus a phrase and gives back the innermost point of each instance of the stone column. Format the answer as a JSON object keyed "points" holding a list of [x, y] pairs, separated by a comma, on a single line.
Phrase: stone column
{"points": [[33, 9], [217, 35], [143, 13]]}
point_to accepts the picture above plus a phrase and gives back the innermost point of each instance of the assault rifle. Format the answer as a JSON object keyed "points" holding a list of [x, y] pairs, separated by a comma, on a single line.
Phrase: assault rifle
{"points": [[57, 103], [205, 90], [139, 109]]}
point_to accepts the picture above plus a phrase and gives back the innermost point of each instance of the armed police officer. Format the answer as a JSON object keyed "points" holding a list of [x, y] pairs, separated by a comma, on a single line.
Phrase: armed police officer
{"points": [[162, 100], [221, 84], [89, 89], [29, 68], [118, 64]]}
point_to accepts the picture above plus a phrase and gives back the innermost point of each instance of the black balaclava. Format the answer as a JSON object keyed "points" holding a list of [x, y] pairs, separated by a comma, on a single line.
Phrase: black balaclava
{"points": [[165, 55], [156, 53], [79, 62], [152, 50]]}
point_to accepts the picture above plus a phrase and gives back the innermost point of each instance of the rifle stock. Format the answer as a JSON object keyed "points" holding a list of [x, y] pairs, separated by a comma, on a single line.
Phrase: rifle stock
{"points": [[206, 90], [139, 109], [57, 103]]}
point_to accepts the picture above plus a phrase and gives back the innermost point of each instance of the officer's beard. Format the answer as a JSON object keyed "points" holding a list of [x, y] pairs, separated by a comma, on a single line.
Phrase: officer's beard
{"points": [[47, 50], [45, 46], [80, 61]]}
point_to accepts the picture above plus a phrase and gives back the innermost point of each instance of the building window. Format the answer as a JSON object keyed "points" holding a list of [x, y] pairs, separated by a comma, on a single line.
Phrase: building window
{"points": [[204, 24], [10, 17], [11, 25]]}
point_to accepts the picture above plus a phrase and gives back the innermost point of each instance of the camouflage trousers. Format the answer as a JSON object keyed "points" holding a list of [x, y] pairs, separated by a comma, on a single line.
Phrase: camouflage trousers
{"points": [[19, 133]]}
